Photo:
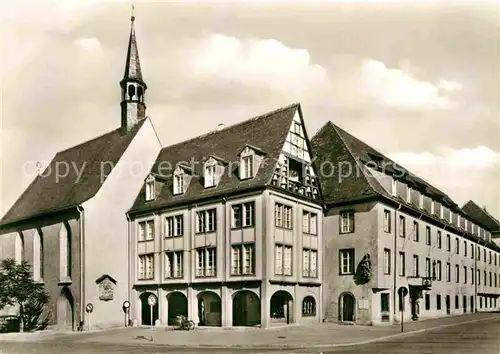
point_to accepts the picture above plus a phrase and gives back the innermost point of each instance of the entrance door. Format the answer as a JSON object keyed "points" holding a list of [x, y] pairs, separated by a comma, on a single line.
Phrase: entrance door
{"points": [[348, 307]]}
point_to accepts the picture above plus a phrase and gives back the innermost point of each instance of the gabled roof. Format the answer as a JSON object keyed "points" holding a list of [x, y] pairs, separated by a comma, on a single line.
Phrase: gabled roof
{"points": [[267, 131], [51, 193], [481, 216], [333, 145]]}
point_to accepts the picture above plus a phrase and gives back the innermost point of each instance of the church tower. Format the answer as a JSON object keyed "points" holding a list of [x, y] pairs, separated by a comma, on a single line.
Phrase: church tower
{"points": [[133, 108]]}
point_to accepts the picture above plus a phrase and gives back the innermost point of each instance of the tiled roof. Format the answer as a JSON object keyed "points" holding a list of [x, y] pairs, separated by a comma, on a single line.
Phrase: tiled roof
{"points": [[481, 216], [51, 193], [334, 144], [267, 131]]}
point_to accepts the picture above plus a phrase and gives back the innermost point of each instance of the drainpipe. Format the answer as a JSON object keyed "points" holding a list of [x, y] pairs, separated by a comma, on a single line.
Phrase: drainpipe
{"points": [[129, 268], [395, 258], [81, 211], [476, 250], [225, 248]]}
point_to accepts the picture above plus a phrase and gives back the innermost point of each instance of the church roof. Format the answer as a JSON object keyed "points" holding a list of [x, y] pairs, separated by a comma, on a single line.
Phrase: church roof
{"points": [[267, 131], [50, 192], [481, 216]]}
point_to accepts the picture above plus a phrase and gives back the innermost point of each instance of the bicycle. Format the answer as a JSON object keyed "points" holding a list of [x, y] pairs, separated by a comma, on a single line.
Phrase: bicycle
{"points": [[183, 323]]}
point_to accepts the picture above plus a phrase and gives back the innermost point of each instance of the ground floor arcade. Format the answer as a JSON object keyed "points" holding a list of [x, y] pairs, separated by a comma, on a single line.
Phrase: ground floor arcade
{"points": [[227, 305]]}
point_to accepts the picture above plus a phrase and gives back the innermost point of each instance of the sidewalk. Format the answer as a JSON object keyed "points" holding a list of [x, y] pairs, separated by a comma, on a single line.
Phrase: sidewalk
{"points": [[292, 337]]}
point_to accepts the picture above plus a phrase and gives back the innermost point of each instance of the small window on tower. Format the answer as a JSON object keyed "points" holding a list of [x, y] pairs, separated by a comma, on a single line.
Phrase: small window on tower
{"points": [[131, 91], [140, 93]]}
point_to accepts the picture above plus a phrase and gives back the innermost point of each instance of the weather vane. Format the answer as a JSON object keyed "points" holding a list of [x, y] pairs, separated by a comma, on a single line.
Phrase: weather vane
{"points": [[132, 18]]}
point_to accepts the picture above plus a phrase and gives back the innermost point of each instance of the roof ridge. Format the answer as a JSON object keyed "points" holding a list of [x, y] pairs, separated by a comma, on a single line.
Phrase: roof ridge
{"points": [[264, 115], [353, 157], [323, 127]]}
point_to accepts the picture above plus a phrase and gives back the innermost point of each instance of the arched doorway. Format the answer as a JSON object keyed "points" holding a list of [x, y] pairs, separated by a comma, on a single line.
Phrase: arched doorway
{"points": [[65, 310], [281, 309], [209, 309], [246, 309], [347, 307], [149, 315], [177, 305]]}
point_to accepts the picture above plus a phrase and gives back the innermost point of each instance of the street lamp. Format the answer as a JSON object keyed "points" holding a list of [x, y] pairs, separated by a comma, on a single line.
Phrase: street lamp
{"points": [[126, 306]]}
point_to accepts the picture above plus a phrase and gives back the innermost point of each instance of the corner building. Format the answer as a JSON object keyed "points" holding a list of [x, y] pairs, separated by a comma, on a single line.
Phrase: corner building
{"points": [[389, 233], [231, 234]]}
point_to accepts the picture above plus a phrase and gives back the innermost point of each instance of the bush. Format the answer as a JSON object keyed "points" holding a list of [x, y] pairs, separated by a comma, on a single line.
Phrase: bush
{"points": [[19, 289]]}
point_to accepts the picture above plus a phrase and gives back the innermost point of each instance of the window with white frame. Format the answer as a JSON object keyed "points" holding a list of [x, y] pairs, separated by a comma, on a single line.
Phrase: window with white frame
{"points": [[206, 220], [402, 226], [346, 261], [428, 267], [243, 215], [174, 265], [448, 242], [346, 222], [146, 266], [448, 272], [387, 261], [150, 188], [387, 221], [146, 230], [308, 306], [438, 266], [478, 277], [247, 166], [465, 275], [457, 246], [206, 262], [402, 264], [174, 226], [309, 223], [179, 183], [283, 260], [472, 275], [439, 240], [415, 231], [465, 248], [309, 263], [415, 266], [210, 175], [283, 216], [65, 252], [457, 273], [427, 235], [243, 259]]}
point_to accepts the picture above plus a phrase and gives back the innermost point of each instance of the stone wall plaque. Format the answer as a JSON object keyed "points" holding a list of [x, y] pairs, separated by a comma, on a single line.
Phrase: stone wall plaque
{"points": [[106, 287]]}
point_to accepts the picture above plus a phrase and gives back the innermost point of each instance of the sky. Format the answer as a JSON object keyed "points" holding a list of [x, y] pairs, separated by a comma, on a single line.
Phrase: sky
{"points": [[418, 82]]}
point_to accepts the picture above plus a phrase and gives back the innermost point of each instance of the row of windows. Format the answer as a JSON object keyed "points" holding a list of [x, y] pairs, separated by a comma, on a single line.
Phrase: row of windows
{"points": [[212, 171], [492, 302], [243, 215], [435, 208], [347, 226], [65, 253], [434, 270], [242, 262]]}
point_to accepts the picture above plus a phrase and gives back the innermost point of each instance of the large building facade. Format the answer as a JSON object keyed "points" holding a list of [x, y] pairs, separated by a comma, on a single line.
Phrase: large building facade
{"points": [[232, 236], [395, 246]]}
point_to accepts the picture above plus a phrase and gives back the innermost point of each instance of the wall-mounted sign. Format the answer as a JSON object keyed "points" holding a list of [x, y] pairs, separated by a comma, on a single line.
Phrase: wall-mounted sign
{"points": [[106, 287]]}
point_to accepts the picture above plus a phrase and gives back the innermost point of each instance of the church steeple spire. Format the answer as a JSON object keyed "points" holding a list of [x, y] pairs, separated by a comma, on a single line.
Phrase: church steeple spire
{"points": [[133, 108]]}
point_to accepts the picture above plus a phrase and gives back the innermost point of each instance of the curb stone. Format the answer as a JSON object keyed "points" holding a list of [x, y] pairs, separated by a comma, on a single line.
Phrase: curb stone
{"points": [[299, 347]]}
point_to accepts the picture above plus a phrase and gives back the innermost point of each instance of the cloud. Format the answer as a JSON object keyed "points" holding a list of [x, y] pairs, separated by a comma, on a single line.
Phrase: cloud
{"points": [[463, 173], [398, 88], [256, 62], [89, 44]]}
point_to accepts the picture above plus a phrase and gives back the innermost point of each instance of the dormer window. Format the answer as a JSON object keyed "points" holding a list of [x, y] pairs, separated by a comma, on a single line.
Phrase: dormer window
{"points": [[150, 188], [210, 175], [178, 183], [394, 188], [247, 166]]}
